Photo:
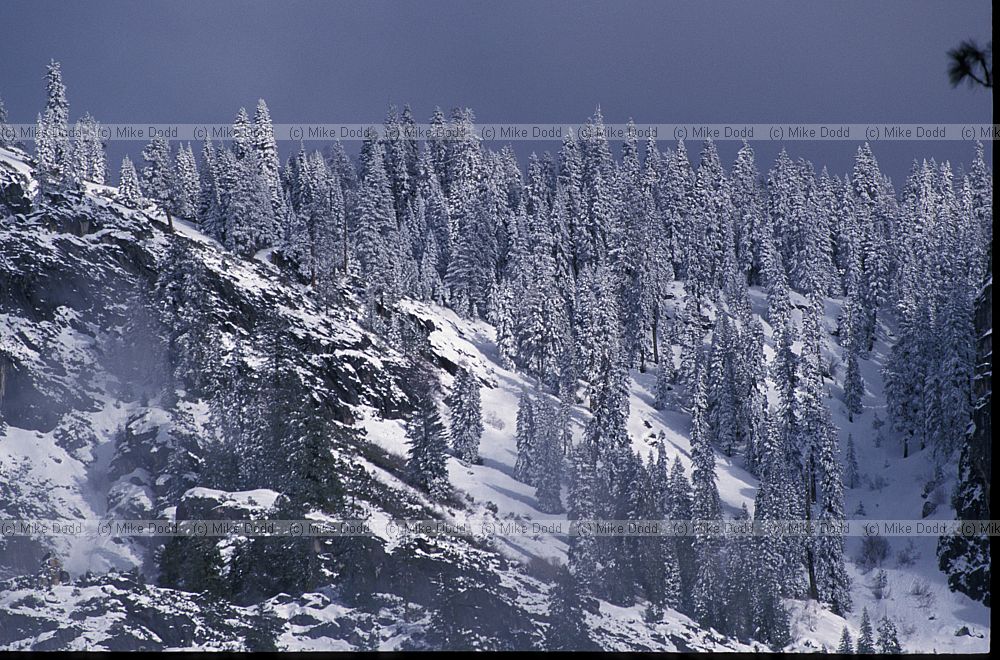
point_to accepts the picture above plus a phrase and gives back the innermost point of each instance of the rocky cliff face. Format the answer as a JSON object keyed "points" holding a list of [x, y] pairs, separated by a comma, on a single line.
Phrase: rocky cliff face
{"points": [[86, 433]]}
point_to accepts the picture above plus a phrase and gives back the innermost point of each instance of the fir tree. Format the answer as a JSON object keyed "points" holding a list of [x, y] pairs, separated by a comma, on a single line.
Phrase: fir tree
{"points": [[52, 145], [854, 386], [705, 508], [852, 472], [88, 159], [158, 176], [582, 504], [888, 641], [128, 185], [266, 149], [548, 444], [525, 465], [567, 629], [187, 187], [376, 228], [665, 376], [866, 637], [846, 645], [679, 508], [427, 458], [312, 470], [466, 416], [832, 582]]}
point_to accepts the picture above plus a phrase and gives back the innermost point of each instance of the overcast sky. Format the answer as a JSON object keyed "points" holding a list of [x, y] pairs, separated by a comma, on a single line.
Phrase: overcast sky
{"points": [[657, 62]]}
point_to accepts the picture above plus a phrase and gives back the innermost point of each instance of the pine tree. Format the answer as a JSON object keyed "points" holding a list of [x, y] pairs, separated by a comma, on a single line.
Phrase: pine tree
{"points": [[676, 200], [266, 149], [501, 318], [567, 629], [52, 145], [965, 559], [312, 469], [87, 159], [548, 444], [665, 377], [525, 465], [375, 236], [749, 226], [740, 575], [465, 403], [211, 197], [689, 331], [776, 558], [128, 185], [722, 413], [597, 329], [866, 637], [248, 217], [158, 176], [678, 508], [846, 645], [427, 458], [888, 641], [854, 386], [832, 581], [705, 508], [852, 472], [187, 188], [582, 505]]}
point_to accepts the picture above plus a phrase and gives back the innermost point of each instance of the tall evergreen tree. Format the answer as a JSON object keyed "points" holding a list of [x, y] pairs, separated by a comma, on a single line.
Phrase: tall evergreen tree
{"points": [[426, 462], [52, 146], [548, 444], [87, 160], [567, 629], [846, 645], [866, 637], [705, 508], [526, 464], [888, 641], [466, 428], [128, 185], [158, 176]]}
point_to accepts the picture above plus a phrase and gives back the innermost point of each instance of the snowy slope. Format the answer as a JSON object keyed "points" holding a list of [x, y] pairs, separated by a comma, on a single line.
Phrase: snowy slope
{"points": [[66, 268], [928, 615]]}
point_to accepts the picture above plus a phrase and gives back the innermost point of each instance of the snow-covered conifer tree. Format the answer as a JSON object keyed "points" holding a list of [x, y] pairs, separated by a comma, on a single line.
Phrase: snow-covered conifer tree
{"points": [[466, 427], [888, 640], [852, 474], [128, 185], [548, 443], [52, 146], [705, 507], [866, 637], [158, 176], [846, 645], [525, 465], [87, 157], [426, 461], [567, 629]]}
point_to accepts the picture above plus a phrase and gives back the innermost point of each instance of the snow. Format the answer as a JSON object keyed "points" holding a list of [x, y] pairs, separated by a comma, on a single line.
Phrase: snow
{"points": [[925, 622], [76, 484]]}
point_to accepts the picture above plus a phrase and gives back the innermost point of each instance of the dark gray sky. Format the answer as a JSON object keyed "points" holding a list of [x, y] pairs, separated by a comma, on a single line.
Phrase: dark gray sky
{"points": [[658, 62]]}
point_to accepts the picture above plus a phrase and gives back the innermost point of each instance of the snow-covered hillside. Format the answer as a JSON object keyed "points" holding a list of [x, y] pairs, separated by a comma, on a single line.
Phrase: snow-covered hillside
{"points": [[931, 618], [79, 443], [134, 353]]}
